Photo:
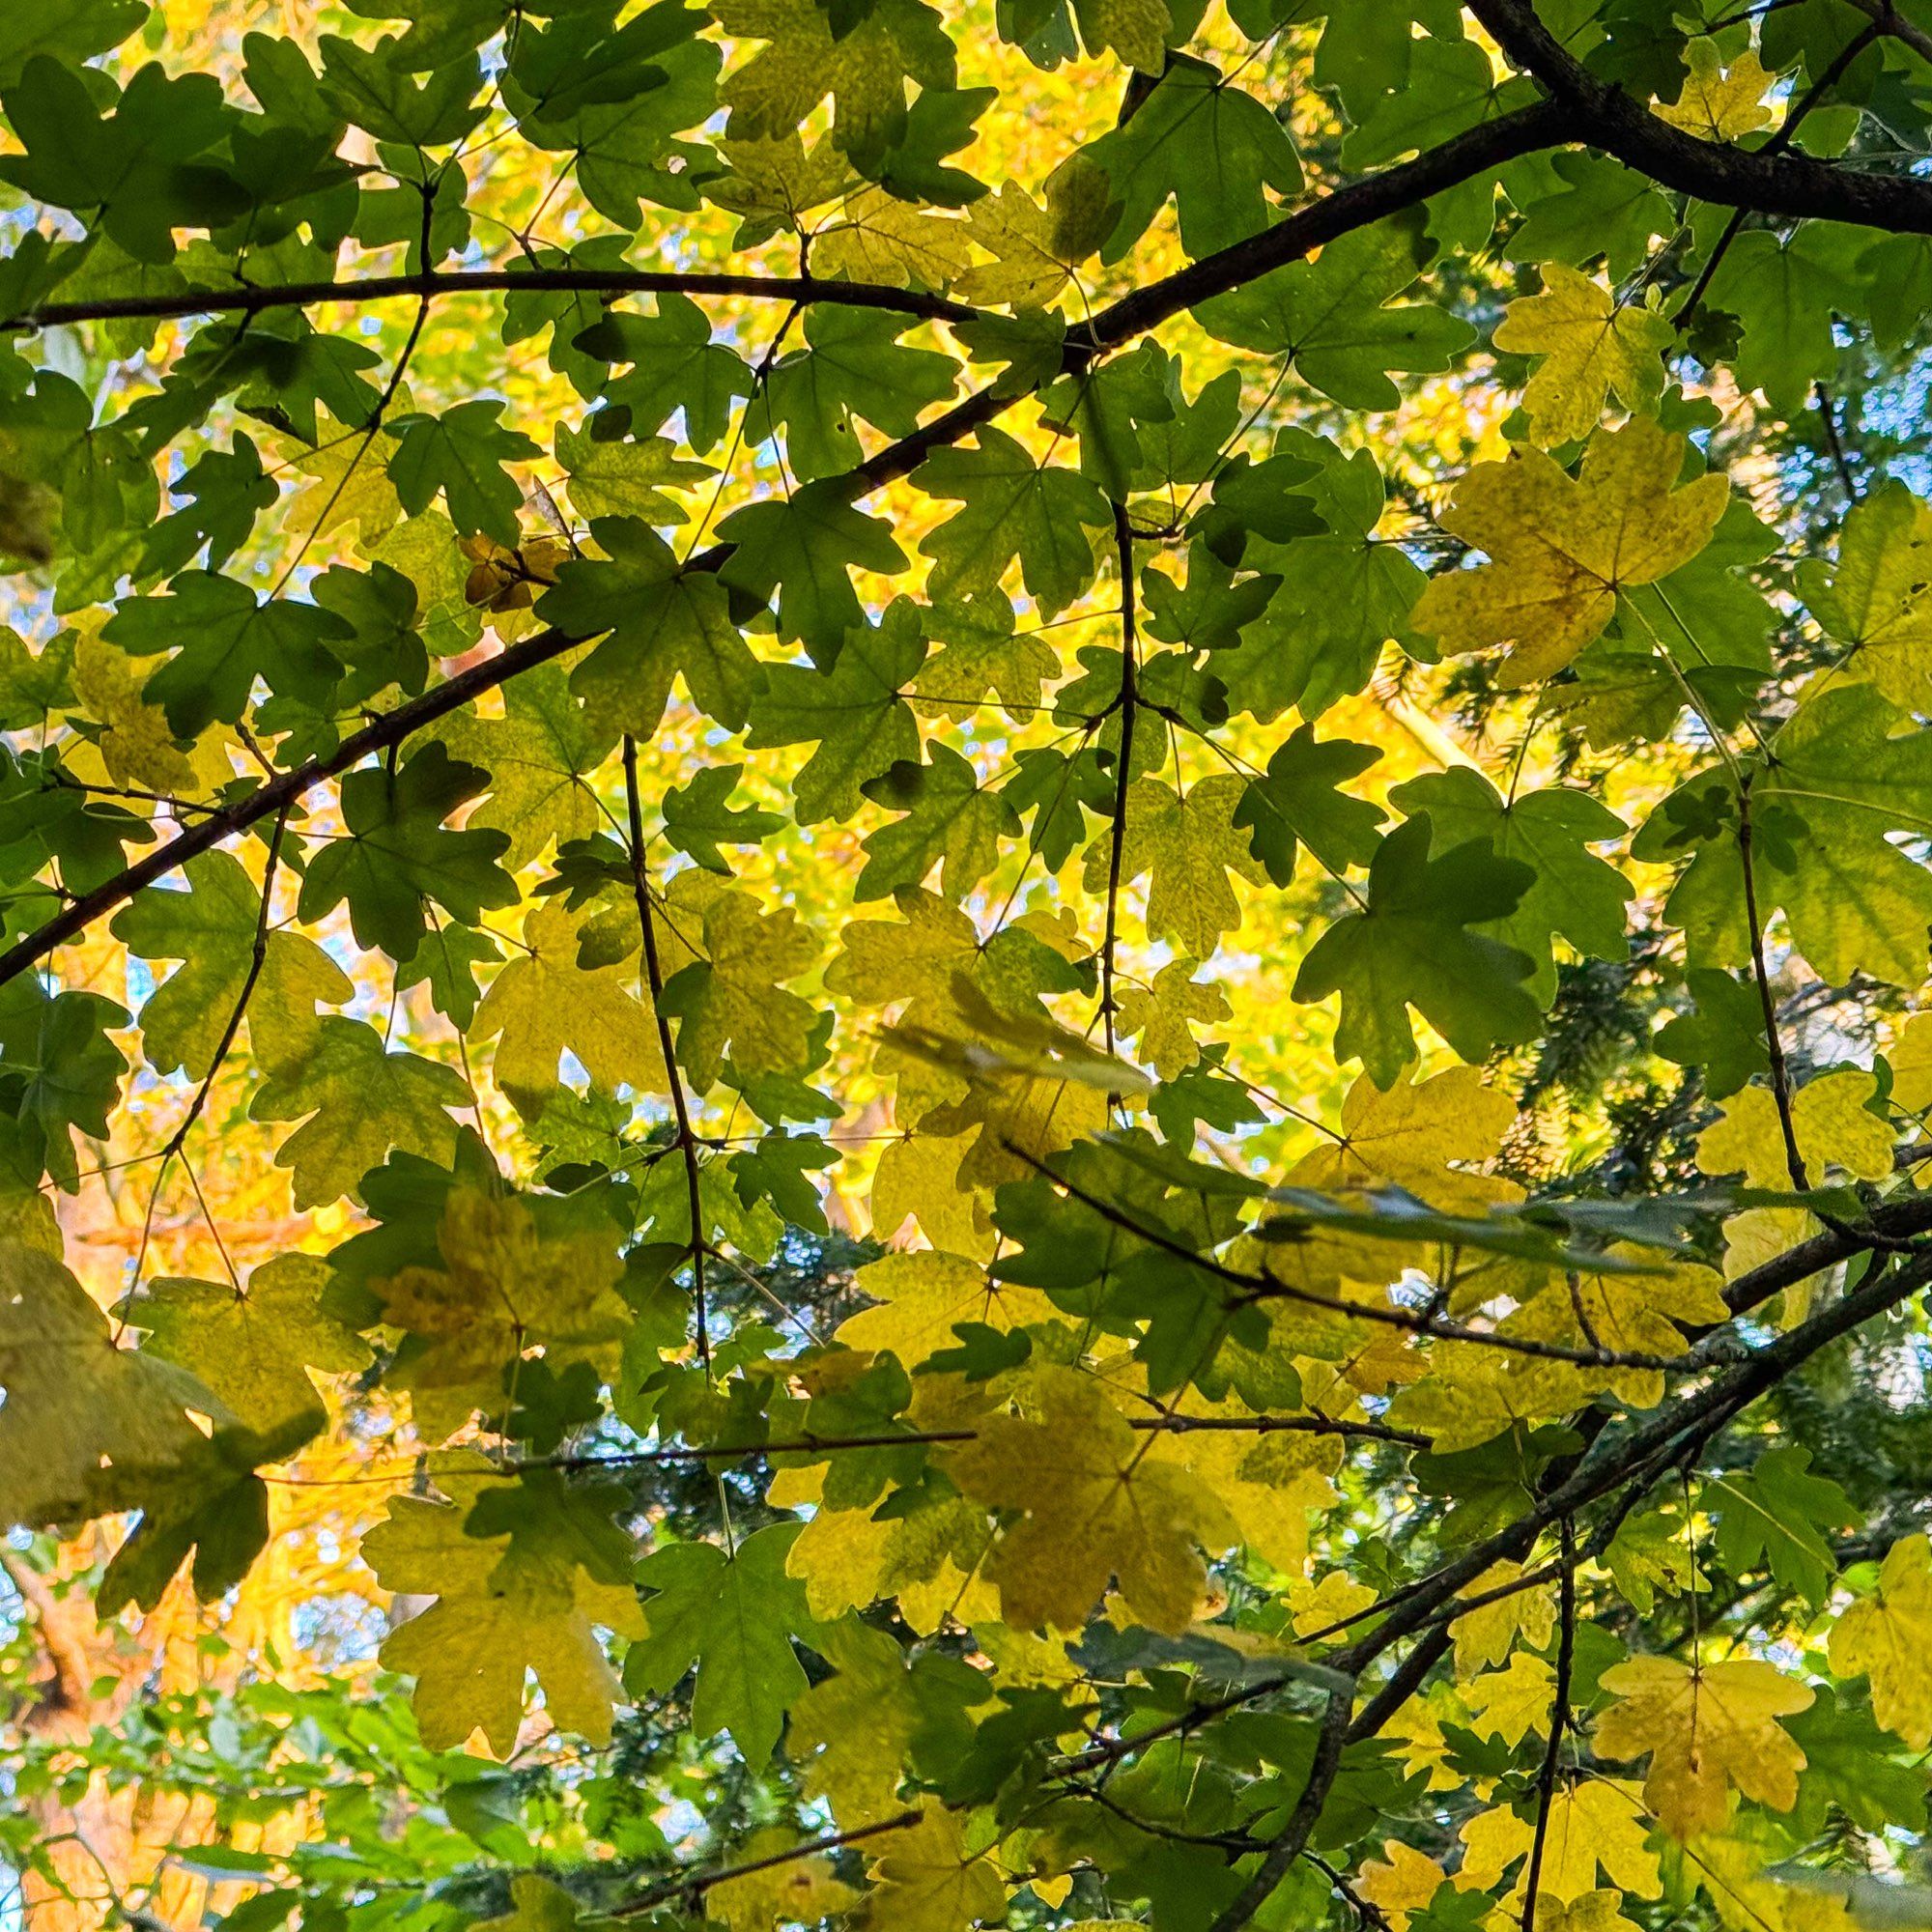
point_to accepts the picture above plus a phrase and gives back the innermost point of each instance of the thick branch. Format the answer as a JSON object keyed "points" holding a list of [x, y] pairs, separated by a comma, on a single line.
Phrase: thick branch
{"points": [[1603, 114]]}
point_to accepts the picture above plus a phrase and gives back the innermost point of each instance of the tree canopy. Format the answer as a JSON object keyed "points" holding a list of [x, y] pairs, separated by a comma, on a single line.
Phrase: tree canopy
{"points": [[961, 965]]}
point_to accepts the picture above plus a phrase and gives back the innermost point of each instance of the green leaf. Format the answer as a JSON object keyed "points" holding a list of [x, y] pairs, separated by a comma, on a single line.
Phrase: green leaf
{"points": [[854, 369], [950, 822], [1337, 318], [734, 1618], [619, 478], [1010, 508], [1410, 945], [1210, 145], [461, 453], [398, 853], [856, 712], [699, 819], [1774, 1514], [1299, 800], [357, 1101], [664, 623], [805, 546], [227, 638], [1724, 1037], [1572, 891], [677, 367]]}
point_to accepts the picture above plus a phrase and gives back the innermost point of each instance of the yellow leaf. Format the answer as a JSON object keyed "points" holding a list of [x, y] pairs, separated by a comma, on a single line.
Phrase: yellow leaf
{"points": [[1091, 1508], [1888, 1637], [507, 1284], [917, 1179], [1190, 844], [1484, 1636], [1910, 1059], [878, 238], [1590, 344], [1828, 1118], [135, 743], [1160, 1013], [1587, 1912], [922, 1294], [543, 1005], [1719, 104], [1313, 1607], [850, 1732], [1561, 548], [925, 1880], [801, 1891], [1401, 1882], [1706, 1729], [1594, 1823], [504, 1605], [1036, 246], [1509, 1703], [1632, 1314], [773, 182]]}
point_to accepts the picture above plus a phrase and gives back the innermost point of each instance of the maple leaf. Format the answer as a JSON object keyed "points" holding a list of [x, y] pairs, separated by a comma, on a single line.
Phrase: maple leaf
{"points": [[854, 709], [398, 853], [1719, 102], [1831, 1119], [1401, 1883], [1876, 598], [512, 1275], [212, 929], [460, 454], [980, 651], [804, 546], [1572, 891], [1707, 1728], [676, 365], [1562, 548], [731, 995], [1189, 842], [1160, 1013], [1590, 344], [1090, 1509], [1486, 1636], [1011, 507], [1596, 1822], [523, 1574], [1411, 945], [79, 1410], [1036, 246], [137, 742], [1511, 1702], [543, 1005], [878, 238], [1888, 1637], [625, 477], [357, 1101], [665, 624], [733, 1617], [1298, 801], [923, 1295], [252, 1351], [925, 1880], [1638, 1314]]}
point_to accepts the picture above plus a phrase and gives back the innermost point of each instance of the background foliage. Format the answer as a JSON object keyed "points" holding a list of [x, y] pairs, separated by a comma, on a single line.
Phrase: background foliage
{"points": [[959, 964]]}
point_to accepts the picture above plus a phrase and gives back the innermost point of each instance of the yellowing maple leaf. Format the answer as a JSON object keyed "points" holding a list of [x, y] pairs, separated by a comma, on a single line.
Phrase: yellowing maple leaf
{"points": [[733, 999], [1337, 1596], [1090, 1508], [1888, 1637], [1595, 1823], [1720, 103], [1707, 1728], [917, 1176], [1590, 344], [506, 1285], [851, 1731], [1631, 1313], [1484, 1636], [878, 238], [1829, 1119], [798, 1892], [1588, 1911], [505, 1603], [1561, 548], [543, 1005], [1509, 1703], [1401, 1882], [921, 1295], [925, 1880], [1037, 243], [1160, 1013], [136, 743], [1189, 843]]}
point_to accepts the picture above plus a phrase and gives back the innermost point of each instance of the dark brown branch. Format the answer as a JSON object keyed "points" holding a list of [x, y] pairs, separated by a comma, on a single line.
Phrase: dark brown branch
{"points": [[695, 1886], [1602, 114], [437, 282], [654, 981]]}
